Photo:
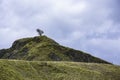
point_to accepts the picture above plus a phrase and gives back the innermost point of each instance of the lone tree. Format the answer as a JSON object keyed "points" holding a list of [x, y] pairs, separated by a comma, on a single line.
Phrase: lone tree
{"points": [[40, 32]]}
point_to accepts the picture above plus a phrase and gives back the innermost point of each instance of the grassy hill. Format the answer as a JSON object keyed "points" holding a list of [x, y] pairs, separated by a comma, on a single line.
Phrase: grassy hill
{"points": [[41, 58], [52, 70], [42, 48]]}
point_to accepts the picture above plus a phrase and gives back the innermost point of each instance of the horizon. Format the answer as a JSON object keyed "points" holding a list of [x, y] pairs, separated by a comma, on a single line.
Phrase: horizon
{"points": [[91, 26]]}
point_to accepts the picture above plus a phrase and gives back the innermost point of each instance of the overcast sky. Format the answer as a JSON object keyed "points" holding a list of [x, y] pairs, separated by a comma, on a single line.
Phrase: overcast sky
{"points": [[92, 26]]}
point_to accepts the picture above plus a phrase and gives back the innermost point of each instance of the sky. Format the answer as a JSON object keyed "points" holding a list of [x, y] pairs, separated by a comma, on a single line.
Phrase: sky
{"points": [[92, 26]]}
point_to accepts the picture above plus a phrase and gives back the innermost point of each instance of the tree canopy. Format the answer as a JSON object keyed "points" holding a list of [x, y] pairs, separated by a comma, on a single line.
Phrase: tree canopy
{"points": [[40, 32]]}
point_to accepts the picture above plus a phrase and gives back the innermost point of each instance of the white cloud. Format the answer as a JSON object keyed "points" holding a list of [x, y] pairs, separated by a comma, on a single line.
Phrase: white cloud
{"points": [[81, 24]]}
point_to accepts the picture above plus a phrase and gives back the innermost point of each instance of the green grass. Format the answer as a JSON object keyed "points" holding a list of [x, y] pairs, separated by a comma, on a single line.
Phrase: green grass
{"points": [[41, 58], [53, 70], [42, 48]]}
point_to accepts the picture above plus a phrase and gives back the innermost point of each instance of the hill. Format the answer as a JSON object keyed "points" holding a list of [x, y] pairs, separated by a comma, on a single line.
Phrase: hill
{"points": [[52, 70], [41, 58], [42, 48]]}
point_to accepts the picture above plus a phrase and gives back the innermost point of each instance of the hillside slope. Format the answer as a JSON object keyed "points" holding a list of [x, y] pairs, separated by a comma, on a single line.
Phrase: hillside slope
{"points": [[50, 70], [42, 48]]}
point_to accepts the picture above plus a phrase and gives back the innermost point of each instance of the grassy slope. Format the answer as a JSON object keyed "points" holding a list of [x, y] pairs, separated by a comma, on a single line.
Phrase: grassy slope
{"points": [[45, 49], [50, 70]]}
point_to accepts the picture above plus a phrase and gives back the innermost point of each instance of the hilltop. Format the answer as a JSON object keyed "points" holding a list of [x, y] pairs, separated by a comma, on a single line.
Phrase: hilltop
{"points": [[42, 48]]}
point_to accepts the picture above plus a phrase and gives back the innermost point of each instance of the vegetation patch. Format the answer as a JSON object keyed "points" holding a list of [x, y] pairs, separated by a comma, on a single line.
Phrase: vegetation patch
{"points": [[52, 70], [42, 48]]}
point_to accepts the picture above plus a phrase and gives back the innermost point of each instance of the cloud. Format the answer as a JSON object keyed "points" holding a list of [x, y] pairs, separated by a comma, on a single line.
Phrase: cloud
{"points": [[89, 25], [105, 48]]}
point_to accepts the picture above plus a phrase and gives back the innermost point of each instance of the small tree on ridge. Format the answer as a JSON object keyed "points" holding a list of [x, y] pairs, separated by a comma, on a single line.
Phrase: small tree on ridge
{"points": [[40, 32]]}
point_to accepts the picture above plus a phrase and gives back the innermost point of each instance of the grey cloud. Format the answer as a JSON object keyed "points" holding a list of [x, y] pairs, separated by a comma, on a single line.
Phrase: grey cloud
{"points": [[73, 23], [115, 14]]}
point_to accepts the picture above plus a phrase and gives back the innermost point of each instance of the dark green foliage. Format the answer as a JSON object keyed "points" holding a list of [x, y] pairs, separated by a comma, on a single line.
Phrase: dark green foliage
{"points": [[83, 57], [54, 57]]}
